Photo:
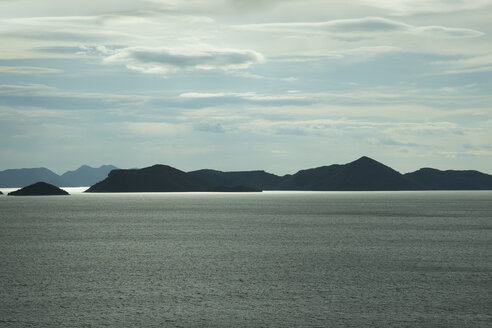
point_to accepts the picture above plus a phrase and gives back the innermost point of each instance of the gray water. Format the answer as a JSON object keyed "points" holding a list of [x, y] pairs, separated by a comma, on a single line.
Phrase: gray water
{"points": [[377, 259]]}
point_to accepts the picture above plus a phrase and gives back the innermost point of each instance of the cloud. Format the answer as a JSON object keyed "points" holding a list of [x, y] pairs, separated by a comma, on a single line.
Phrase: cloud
{"points": [[218, 6], [396, 102], [201, 95], [116, 19], [40, 95], [468, 65], [19, 113], [65, 50], [396, 7], [447, 32], [243, 95], [154, 128], [63, 34], [160, 60], [248, 75], [366, 25], [383, 132], [410, 7], [305, 58], [65, 28], [31, 70], [23, 89], [454, 154], [209, 127]]}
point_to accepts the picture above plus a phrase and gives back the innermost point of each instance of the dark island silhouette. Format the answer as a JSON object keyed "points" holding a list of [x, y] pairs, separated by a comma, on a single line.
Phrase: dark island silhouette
{"points": [[432, 179], [160, 178], [253, 179], [363, 174], [39, 189]]}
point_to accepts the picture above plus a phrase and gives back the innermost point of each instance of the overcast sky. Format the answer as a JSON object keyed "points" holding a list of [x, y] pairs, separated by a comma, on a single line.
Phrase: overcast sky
{"points": [[279, 85]]}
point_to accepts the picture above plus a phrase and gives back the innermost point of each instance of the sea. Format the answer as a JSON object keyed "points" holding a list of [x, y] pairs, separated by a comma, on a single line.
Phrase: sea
{"points": [[270, 259]]}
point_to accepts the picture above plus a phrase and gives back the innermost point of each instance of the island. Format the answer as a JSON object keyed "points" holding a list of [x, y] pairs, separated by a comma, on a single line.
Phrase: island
{"points": [[160, 178], [363, 174], [433, 179], [39, 189]]}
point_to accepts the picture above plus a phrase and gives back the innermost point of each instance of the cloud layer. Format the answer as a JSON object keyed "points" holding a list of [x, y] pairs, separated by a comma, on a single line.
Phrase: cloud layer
{"points": [[163, 60], [366, 25], [230, 84]]}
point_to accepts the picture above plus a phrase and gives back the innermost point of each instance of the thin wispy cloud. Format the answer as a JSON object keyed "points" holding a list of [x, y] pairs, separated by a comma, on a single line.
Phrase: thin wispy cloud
{"points": [[366, 25], [31, 70], [468, 65], [410, 7], [244, 95]]}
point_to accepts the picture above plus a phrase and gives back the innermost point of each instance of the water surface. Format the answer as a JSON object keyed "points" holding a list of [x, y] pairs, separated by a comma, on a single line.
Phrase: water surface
{"points": [[273, 259]]}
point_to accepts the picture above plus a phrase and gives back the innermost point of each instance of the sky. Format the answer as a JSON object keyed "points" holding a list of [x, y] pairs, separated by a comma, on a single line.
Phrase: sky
{"points": [[278, 85]]}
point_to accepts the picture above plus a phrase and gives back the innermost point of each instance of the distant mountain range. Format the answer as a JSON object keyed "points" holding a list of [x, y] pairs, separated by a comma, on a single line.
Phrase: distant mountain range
{"points": [[363, 174], [82, 177], [86, 175]]}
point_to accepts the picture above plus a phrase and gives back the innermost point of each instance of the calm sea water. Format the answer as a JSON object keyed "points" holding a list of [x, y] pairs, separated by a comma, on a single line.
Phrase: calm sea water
{"points": [[377, 259]]}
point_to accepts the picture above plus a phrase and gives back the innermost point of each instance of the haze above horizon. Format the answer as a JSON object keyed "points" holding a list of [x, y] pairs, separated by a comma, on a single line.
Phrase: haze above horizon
{"points": [[243, 85]]}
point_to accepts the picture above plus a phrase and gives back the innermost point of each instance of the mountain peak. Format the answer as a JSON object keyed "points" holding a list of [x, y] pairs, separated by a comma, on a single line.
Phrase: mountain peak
{"points": [[361, 174], [159, 168], [85, 175], [105, 166], [365, 160]]}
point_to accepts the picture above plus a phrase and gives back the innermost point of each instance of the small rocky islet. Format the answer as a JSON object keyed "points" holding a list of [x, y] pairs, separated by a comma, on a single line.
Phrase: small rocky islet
{"points": [[39, 189]]}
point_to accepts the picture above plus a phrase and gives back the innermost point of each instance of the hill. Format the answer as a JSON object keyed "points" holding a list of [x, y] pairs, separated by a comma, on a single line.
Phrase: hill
{"points": [[86, 175], [14, 178], [39, 189], [364, 174], [433, 179], [253, 179], [158, 178]]}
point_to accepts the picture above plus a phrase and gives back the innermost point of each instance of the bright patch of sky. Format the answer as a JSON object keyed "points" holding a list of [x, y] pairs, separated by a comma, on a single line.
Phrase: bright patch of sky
{"points": [[242, 85]]}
